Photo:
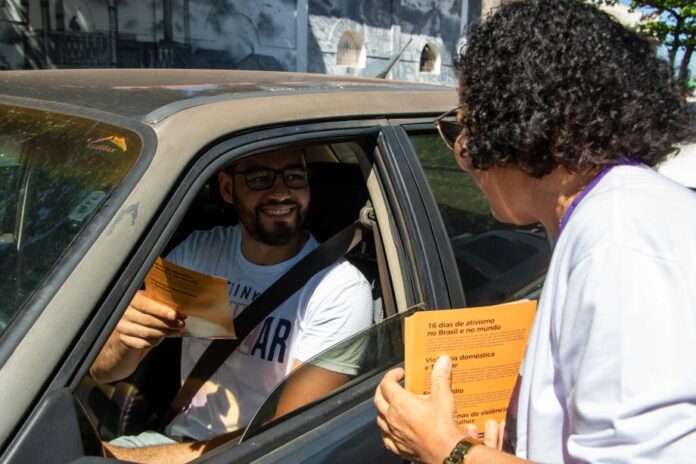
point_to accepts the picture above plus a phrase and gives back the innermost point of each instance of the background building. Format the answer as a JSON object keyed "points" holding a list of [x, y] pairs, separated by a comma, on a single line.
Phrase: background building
{"points": [[353, 37]]}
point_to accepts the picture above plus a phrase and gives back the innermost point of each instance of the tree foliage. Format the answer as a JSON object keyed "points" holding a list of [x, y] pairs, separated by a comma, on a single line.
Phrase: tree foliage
{"points": [[673, 23]]}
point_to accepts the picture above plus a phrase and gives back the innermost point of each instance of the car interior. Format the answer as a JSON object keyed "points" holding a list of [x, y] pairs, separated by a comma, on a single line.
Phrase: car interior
{"points": [[338, 194]]}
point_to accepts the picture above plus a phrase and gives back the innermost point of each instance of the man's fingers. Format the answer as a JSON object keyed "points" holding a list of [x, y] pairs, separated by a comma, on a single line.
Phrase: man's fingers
{"points": [[139, 343], [136, 330], [135, 316], [501, 434], [147, 305], [441, 378]]}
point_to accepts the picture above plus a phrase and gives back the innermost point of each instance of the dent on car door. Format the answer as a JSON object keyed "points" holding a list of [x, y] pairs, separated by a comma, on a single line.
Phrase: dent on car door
{"points": [[496, 262]]}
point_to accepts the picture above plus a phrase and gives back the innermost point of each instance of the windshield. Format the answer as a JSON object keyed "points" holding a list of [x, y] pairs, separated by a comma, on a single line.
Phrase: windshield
{"points": [[56, 171]]}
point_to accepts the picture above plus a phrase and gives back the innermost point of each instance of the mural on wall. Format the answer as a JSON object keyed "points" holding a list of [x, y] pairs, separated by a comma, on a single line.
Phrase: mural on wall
{"points": [[431, 26], [79, 17], [356, 37], [253, 34], [12, 36]]}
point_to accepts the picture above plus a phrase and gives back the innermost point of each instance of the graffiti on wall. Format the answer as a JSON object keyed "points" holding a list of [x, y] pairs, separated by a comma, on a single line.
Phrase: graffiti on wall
{"points": [[267, 35]]}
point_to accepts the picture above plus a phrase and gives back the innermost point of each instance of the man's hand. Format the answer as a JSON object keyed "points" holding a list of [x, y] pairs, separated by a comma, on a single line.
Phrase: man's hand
{"points": [[143, 326], [419, 428], [146, 322]]}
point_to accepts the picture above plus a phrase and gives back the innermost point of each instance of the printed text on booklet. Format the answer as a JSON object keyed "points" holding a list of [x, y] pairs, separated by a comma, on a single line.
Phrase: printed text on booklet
{"points": [[486, 345], [202, 297]]}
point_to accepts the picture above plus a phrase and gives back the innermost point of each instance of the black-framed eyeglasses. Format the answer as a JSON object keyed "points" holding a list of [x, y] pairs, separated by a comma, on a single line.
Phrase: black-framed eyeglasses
{"points": [[296, 177], [449, 131]]}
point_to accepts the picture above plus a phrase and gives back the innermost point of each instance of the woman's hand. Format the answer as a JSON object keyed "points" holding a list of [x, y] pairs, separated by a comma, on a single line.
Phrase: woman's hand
{"points": [[492, 435], [419, 428]]}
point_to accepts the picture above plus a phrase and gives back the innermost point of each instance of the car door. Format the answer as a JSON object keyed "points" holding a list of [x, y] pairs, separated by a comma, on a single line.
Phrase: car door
{"points": [[443, 211], [62, 425]]}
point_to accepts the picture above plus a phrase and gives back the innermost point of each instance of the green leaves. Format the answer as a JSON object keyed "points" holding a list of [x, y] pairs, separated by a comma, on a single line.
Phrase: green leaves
{"points": [[672, 22]]}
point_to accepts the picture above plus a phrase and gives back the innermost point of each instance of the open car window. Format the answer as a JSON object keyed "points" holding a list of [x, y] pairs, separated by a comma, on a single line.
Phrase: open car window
{"points": [[339, 191], [56, 171], [497, 262], [374, 350]]}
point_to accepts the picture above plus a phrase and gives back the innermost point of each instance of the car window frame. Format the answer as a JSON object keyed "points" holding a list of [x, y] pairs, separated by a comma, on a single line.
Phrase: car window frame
{"points": [[286, 430], [403, 131], [164, 221], [171, 212], [421, 188]]}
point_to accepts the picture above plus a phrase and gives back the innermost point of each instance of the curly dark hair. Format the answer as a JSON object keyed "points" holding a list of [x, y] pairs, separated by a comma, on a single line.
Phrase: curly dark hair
{"points": [[559, 82]]}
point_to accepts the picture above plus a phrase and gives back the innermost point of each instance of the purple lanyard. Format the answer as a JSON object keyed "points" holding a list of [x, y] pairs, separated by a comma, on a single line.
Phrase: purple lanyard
{"points": [[593, 183]]}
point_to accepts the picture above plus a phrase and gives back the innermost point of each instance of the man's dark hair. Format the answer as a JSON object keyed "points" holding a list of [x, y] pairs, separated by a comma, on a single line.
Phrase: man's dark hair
{"points": [[558, 82]]}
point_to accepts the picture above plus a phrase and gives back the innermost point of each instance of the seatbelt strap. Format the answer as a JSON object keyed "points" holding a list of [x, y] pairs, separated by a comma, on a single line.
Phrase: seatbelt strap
{"points": [[367, 217], [326, 254]]}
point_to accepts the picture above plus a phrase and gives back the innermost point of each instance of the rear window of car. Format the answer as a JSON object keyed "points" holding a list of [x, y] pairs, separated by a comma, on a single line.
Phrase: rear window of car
{"points": [[56, 171]]}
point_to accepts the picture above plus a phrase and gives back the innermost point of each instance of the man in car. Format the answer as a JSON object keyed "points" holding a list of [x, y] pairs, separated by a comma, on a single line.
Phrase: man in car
{"points": [[270, 195]]}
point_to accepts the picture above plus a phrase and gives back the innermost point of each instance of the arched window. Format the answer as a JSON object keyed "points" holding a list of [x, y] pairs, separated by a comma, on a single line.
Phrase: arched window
{"points": [[351, 51], [430, 59]]}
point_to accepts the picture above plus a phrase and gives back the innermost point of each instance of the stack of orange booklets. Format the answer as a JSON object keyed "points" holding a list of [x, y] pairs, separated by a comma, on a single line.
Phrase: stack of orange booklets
{"points": [[486, 345]]}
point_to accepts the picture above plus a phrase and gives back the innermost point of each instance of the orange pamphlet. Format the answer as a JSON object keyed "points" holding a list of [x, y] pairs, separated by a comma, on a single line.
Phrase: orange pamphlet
{"points": [[202, 297], [486, 345]]}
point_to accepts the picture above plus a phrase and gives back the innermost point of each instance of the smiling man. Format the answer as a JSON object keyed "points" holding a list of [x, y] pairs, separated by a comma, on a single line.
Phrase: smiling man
{"points": [[270, 194]]}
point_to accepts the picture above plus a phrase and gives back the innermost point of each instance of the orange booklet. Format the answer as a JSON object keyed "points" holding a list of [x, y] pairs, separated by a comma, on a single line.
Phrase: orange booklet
{"points": [[202, 297], [486, 345]]}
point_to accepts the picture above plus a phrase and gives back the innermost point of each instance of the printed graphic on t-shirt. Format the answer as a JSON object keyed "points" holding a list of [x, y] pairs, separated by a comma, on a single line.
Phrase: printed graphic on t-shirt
{"points": [[241, 296], [269, 340]]}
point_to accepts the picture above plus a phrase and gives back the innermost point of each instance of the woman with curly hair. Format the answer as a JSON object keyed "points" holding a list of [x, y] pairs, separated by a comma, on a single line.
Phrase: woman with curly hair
{"points": [[563, 115]]}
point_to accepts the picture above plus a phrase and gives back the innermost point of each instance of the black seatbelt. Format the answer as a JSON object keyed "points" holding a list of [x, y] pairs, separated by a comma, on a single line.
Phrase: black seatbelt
{"points": [[293, 280]]}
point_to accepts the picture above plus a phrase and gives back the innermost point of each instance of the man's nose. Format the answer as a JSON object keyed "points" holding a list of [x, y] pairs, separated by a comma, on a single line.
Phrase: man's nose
{"points": [[279, 189]]}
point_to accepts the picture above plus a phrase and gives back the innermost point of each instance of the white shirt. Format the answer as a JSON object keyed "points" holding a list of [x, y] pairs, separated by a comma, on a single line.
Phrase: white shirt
{"points": [[610, 369], [333, 305]]}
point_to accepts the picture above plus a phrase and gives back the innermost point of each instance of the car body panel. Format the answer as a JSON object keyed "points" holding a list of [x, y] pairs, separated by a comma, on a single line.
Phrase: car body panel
{"points": [[180, 138], [137, 93]]}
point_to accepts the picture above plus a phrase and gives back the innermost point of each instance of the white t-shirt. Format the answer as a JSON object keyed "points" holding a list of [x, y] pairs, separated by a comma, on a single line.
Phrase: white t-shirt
{"points": [[333, 305], [610, 369]]}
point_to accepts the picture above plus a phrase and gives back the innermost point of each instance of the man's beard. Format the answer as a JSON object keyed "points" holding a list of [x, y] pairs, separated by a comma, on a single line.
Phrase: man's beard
{"points": [[280, 233]]}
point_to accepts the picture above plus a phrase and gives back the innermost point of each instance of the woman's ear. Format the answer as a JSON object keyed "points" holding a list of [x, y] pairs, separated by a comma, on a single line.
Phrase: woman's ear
{"points": [[226, 182], [462, 156]]}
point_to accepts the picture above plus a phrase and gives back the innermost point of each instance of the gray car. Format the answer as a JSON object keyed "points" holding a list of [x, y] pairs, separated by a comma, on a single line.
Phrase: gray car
{"points": [[102, 171]]}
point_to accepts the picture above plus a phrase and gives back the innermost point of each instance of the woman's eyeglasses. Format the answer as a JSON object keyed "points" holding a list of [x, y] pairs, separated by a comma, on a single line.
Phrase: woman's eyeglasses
{"points": [[264, 178], [449, 131]]}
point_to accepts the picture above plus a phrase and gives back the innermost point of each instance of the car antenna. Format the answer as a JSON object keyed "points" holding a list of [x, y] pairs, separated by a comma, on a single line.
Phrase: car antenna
{"points": [[392, 62]]}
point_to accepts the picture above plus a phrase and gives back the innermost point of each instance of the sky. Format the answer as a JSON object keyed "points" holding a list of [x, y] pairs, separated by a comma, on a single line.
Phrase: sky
{"points": [[662, 51]]}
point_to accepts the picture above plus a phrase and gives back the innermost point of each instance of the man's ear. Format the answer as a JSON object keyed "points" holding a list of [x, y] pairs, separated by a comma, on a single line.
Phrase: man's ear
{"points": [[226, 182]]}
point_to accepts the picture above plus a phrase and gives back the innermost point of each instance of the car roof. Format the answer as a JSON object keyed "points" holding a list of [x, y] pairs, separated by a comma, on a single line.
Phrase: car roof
{"points": [[152, 95]]}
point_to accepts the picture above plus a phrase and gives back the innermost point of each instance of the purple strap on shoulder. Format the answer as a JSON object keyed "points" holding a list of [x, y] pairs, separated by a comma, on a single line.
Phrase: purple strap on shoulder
{"points": [[588, 188]]}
